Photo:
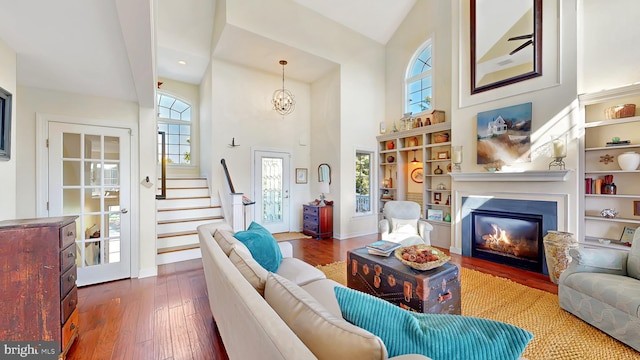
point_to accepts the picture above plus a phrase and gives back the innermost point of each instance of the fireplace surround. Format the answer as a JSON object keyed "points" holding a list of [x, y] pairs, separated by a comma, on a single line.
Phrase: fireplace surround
{"points": [[516, 239]]}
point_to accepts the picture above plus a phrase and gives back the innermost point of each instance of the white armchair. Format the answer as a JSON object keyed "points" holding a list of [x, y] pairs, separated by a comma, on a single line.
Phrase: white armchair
{"points": [[402, 224]]}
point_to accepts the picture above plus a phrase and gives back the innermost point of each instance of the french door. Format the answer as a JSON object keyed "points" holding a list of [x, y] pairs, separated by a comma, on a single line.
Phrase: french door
{"points": [[271, 189], [89, 174]]}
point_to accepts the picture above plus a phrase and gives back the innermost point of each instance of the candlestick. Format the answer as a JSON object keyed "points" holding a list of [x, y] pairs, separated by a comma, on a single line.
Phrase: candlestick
{"points": [[456, 157]]}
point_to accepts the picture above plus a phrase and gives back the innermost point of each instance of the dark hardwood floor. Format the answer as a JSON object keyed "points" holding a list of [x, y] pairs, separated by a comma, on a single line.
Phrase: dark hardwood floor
{"points": [[168, 316]]}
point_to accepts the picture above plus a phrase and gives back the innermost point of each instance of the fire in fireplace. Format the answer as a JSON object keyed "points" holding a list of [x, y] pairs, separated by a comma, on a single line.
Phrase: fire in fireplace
{"points": [[508, 238]]}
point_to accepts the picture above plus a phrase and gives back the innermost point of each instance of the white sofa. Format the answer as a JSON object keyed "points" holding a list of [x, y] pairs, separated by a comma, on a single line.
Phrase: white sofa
{"points": [[298, 317]]}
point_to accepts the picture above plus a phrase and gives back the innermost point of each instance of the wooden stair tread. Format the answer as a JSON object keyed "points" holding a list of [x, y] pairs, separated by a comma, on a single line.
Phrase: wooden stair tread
{"points": [[186, 198], [176, 221], [178, 248], [185, 188], [183, 178], [191, 208], [179, 233]]}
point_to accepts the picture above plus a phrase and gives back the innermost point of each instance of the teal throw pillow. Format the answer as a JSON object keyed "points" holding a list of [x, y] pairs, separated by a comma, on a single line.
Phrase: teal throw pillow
{"points": [[438, 336], [262, 245]]}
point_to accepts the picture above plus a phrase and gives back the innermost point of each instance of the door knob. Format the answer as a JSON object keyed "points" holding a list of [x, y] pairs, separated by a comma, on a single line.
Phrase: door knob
{"points": [[124, 211]]}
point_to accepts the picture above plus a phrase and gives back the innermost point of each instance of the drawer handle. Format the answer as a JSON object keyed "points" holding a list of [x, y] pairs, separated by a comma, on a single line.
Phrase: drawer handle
{"points": [[72, 278], [70, 233], [71, 254], [72, 326], [72, 303]]}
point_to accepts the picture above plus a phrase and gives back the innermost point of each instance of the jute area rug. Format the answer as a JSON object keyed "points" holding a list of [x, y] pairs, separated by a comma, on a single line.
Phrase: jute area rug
{"points": [[557, 334], [290, 236]]}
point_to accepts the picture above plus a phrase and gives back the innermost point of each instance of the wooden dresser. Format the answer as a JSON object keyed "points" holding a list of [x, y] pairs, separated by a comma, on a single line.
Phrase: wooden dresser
{"points": [[318, 221], [38, 292]]}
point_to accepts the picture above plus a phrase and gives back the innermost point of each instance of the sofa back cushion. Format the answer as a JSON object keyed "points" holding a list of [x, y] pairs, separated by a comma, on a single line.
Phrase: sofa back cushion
{"points": [[633, 262], [326, 335], [255, 274], [225, 239]]}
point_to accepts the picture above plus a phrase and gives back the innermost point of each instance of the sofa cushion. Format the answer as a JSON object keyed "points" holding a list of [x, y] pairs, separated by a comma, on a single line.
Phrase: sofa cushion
{"points": [[633, 264], [299, 271], [322, 291], [326, 335], [225, 239], [255, 274], [262, 245], [438, 336], [620, 292]]}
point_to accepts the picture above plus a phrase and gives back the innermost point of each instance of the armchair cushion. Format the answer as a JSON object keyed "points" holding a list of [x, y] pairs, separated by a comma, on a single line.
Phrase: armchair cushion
{"points": [[405, 226], [601, 261], [633, 263]]}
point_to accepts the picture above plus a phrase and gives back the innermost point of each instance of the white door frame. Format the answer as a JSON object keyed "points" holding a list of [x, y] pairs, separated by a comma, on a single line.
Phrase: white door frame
{"points": [[42, 173], [288, 173]]}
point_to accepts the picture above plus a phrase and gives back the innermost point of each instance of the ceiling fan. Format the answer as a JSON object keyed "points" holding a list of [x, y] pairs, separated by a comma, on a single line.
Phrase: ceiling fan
{"points": [[521, 37]]}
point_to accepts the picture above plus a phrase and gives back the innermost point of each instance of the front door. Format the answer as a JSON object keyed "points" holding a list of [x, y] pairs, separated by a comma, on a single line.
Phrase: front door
{"points": [[89, 174], [271, 189]]}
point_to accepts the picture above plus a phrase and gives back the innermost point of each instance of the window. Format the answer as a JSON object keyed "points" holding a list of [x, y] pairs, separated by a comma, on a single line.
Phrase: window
{"points": [[363, 182], [419, 80], [174, 119]]}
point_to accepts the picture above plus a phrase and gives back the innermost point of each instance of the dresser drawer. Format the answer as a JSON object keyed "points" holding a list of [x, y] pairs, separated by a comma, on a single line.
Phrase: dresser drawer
{"points": [[67, 257], [310, 218], [67, 235], [311, 210], [68, 304], [69, 332], [68, 281], [311, 226]]}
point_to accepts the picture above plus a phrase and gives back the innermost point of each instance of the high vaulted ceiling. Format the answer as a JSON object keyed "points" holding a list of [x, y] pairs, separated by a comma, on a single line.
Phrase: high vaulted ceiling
{"points": [[98, 47]]}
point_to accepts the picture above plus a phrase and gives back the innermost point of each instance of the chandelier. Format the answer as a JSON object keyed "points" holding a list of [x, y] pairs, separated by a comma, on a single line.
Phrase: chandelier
{"points": [[283, 101]]}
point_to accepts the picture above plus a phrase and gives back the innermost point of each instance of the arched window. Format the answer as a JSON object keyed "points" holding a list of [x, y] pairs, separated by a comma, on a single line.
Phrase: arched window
{"points": [[419, 80], [174, 119]]}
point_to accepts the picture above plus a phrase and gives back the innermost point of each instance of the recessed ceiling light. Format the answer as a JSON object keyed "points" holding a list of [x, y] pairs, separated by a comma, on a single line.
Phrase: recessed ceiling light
{"points": [[182, 62]]}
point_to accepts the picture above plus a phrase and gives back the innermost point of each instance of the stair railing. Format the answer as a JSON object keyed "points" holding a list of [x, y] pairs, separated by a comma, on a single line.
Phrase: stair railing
{"points": [[163, 166]]}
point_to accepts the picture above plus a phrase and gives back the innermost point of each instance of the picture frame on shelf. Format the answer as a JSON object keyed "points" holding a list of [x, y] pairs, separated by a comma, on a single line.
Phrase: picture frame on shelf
{"points": [[301, 175], [627, 235], [636, 208], [434, 214], [443, 155], [437, 196]]}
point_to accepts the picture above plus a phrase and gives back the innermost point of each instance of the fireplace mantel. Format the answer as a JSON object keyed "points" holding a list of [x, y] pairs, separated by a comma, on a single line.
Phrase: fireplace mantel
{"points": [[529, 175]]}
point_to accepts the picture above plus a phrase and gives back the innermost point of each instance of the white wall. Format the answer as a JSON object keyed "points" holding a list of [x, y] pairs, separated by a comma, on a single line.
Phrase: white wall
{"points": [[241, 109], [362, 83], [8, 185], [608, 44]]}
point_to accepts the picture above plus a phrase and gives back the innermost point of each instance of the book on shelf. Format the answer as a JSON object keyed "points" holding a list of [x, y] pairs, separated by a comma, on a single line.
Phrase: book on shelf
{"points": [[382, 247]]}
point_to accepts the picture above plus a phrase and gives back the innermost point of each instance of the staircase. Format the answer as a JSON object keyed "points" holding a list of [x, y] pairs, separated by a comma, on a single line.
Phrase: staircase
{"points": [[187, 206]]}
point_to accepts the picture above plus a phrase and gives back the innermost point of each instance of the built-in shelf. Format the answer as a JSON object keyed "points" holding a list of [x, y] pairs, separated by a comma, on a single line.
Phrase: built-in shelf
{"points": [[529, 175], [613, 244], [620, 220]]}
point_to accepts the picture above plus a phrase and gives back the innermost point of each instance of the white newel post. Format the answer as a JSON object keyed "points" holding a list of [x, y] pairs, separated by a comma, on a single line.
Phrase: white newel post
{"points": [[237, 215]]}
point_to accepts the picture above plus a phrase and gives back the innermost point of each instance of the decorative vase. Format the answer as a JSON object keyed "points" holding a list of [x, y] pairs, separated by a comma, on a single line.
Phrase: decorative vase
{"points": [[390, 145], [629, 160], [390, 158], [556, 249]]}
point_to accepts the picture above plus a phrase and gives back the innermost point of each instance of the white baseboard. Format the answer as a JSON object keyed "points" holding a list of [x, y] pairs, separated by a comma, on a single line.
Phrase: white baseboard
{"points": [[148, 272]]}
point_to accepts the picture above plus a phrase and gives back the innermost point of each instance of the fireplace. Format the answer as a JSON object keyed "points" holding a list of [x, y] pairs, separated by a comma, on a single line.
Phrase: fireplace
{"points": [[511, 239], [507, 231]]}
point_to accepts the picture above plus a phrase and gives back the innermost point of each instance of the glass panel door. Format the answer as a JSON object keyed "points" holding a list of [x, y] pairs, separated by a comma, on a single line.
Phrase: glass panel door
{"points": [[272, 190], [90, 179]]}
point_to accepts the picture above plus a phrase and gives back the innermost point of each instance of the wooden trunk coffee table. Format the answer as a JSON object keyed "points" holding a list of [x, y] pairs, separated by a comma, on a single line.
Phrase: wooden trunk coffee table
{"points": [[435, 291]]}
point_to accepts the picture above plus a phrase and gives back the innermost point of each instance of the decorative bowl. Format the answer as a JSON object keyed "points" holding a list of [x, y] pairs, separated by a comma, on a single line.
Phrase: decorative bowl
{"points": [[417, 250], [629, 160]]}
